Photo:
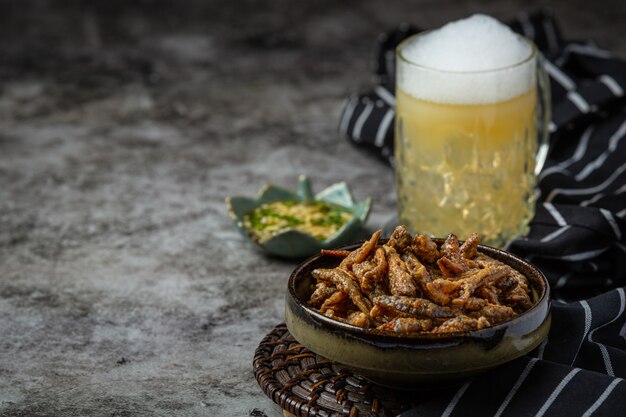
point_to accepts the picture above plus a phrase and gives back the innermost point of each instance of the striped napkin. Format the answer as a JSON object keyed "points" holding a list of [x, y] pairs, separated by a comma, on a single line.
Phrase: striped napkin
{"points": [[577, 237]]}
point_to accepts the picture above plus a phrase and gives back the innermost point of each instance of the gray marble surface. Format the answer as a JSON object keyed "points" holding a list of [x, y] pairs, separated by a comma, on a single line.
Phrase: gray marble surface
{"points": [[124, 287]]}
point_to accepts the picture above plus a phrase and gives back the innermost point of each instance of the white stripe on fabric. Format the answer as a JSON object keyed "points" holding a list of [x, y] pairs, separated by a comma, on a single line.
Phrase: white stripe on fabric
{"points": [[620, 190], [592, 166], [578, 101], [621, 213], [358, 125], [588, 317], [562, 280], [550, 34], [605, 353], [607, 360], [612, 85], [555, 213], [347, 115], [578, 154], [542, 348], [581, 256], [383, 127], [527, 26], [611, 220], [602, 397], [556, 392], [590, 190], [383, 93], [602, 195], [614, 141], [622, 332], [454, 401], [617, 137], [516, 387], [560, 77], [592, 200], [587, 50], [558, 232], [556, 169]]}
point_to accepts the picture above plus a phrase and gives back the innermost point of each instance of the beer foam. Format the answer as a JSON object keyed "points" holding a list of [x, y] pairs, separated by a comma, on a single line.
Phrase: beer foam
{"points": [[470, 61]]}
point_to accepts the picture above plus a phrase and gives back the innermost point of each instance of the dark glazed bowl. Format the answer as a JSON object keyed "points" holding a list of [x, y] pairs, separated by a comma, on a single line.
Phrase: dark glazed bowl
{"points": [[420, 360]]}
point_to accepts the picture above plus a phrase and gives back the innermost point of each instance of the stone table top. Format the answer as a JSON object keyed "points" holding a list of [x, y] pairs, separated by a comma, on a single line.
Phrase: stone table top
{"points": [[124, 287]]}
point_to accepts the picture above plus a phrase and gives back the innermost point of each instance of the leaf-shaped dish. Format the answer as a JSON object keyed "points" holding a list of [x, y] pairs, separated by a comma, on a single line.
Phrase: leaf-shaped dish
{"points": [[291, 242]]}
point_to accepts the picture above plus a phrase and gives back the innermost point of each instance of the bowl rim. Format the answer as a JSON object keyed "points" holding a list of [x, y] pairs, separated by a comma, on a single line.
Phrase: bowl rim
{"points": [[418, 338]]}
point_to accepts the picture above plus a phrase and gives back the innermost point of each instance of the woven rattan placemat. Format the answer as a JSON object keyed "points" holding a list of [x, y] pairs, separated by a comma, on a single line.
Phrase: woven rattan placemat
{"points": [[307, 385]]}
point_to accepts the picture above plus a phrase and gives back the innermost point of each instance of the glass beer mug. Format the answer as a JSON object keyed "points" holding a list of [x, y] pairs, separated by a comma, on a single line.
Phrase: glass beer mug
{"points": [[468, 146]]}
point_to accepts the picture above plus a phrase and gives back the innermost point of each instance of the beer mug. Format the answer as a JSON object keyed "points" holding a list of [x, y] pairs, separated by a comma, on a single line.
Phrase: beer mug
{"points": [[468, 146]]}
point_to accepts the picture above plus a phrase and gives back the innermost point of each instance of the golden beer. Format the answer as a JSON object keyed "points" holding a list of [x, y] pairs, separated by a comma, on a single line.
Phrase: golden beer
{"points": [[465, 150]]}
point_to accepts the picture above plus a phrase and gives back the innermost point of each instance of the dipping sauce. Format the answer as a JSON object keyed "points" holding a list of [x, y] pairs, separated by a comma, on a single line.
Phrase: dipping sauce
{"points": [[318, 219]]}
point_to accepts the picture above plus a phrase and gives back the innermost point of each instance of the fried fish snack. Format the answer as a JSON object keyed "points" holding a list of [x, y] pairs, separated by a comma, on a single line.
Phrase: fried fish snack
{"points": [[411, 285]]}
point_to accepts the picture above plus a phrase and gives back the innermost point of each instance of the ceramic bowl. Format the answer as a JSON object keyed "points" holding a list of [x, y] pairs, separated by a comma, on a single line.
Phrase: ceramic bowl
{"points": [[292, 243], [421, 360]]}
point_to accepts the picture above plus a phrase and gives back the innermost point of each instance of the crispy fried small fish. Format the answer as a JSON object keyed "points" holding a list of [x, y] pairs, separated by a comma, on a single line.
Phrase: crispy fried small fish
{"points": [[336, 253], [419, 273], [333, 302], [322, 291], [475, 278], [518, 298], [417, 270], [400, 239], [450, 247], [495, 313], [513, 287], [371, 271], [489, 293], [469, 248], [407, 325], [506, 284], [451, 266], [452, 261], [425, 249], [416, 307], [360, 254], [360, 269], [358, 318], [346, 283], [400, 281], [472, 303], [410, 285], [440, 290], [462, 324]]}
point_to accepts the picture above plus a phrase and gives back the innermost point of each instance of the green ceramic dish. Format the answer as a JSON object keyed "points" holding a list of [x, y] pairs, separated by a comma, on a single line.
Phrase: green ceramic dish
{"points": [[292, 243], [421, 360]]}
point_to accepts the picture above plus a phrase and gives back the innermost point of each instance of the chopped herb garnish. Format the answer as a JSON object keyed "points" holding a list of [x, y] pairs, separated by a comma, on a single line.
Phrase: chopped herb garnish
{"points": [[319, 219]]}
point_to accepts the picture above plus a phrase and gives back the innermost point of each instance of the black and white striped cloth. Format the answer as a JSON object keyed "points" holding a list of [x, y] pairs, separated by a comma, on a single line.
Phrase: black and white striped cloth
{"points": [[577, 237]]}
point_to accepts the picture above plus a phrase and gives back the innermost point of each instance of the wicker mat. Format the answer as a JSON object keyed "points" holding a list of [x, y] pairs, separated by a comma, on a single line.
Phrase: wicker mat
{"points": [[306, 384]]}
